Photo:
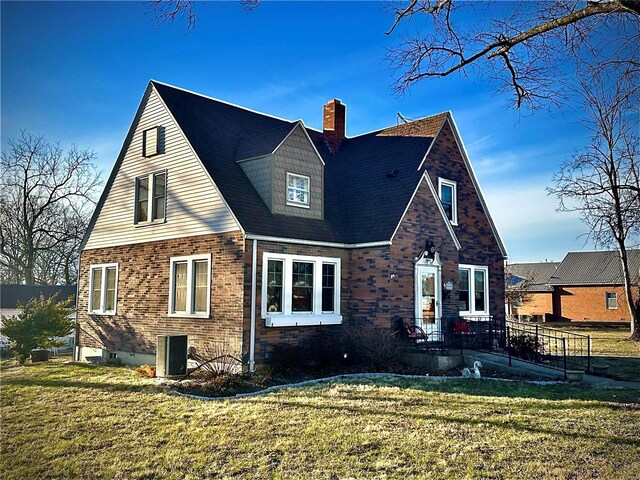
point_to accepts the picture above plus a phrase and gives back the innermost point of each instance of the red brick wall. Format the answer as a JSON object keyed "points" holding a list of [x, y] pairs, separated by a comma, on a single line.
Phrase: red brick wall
{"points": [[539, 303], [267, 338], [143, 295], [588, 303], [479, 245]]}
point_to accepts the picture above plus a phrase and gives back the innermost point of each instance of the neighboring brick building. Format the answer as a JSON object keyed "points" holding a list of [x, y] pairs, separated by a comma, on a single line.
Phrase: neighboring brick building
{"points": [[245, 230], [585, 286], [533, 296]]}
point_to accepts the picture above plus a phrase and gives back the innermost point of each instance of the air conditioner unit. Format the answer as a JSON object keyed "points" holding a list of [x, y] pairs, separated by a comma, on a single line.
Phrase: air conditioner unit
{"points": [[171, 355]]}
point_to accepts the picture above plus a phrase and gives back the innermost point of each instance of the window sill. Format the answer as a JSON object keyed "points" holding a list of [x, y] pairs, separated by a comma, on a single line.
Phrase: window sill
{"points": [[159, 221], [302, 320], [299, 205], [99, 312], [188, 315]]}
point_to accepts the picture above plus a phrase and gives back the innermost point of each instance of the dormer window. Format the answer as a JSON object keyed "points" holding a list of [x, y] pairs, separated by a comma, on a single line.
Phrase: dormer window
{"points": [[151, 197], [449, 198], [297, 190], [151, 142]]}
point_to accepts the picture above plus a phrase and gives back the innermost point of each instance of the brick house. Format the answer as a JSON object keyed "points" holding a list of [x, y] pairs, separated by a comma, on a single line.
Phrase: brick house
{"points": [[585, 286], [239, 228], [530, 281]]}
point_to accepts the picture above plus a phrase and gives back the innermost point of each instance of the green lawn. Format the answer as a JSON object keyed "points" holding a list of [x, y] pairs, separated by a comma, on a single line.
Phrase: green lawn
{"points": [[611, 346], [104, 422]]}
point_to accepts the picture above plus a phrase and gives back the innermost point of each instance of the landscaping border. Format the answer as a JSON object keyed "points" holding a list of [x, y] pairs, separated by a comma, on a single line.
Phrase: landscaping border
{"points": [[275, 388]]}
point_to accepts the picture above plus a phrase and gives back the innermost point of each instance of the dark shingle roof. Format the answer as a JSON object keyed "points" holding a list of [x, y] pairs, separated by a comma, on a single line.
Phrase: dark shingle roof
{"points": [[11, 294], [262, 143], [538, 275], [595, 268], [362, 202]]}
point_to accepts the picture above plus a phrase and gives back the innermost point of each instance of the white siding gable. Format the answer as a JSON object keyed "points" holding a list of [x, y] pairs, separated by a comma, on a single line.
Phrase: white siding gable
{"points": [[194, 206]]}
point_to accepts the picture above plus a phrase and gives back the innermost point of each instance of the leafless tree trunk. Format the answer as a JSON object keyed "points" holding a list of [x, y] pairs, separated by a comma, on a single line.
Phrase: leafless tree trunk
{"points": [[601, 182], [45, 205]]}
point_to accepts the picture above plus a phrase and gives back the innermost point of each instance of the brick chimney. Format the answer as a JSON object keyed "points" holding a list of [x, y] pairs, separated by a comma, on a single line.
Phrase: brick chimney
{"points": [[334, 123]]}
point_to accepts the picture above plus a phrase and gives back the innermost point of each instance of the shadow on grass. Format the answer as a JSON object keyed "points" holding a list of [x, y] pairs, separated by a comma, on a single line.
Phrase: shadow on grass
{"points": [[620, 368], [385, 411], [69, 383]]}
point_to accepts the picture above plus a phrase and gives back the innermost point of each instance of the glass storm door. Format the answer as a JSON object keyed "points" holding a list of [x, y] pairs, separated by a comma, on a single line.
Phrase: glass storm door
{"points": [[428, 298]]}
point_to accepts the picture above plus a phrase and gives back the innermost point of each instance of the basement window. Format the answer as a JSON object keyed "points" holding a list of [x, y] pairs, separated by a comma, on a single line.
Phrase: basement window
{"points": [[103, 288], [611, 300], [449, 198], [300, 290]]}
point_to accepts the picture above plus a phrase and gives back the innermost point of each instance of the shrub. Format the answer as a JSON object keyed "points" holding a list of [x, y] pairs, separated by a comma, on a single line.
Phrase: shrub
{"points": [[217, 360], [526, 346], [373, 348], [40, 321]]}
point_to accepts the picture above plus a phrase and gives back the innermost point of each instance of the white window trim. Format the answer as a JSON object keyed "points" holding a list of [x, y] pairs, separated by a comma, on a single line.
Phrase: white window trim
{"points": [[103, 290], [454, 197], [606, 300], [293, 203], [190, 259], [150, 200], [288, 318], [472, 286]]}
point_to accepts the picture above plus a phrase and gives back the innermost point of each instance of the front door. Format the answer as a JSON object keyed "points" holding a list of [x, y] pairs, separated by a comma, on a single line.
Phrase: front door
{"points": [[428, 298]]}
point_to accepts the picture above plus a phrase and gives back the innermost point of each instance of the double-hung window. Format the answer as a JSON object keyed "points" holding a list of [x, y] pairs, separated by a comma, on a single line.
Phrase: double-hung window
{"points": [[151, 197], [611, 300], [300, 290], [190, 286], [297, 190], [103, 288], [449, 198], [473, 290]]}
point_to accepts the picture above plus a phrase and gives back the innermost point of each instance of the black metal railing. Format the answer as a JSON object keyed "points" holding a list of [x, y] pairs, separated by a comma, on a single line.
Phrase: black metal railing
{"points": [[473, 332], [554, 348], [529, 342]]}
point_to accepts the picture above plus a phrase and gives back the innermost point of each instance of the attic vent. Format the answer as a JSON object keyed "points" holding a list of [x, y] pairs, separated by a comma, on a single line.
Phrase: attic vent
{"points": [[393, 173], [151, 142]]}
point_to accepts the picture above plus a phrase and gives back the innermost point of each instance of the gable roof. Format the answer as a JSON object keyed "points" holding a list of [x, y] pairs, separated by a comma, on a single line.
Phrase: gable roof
{"points": [[12, 294], [368, 184], [595, 268], [537, 274]]}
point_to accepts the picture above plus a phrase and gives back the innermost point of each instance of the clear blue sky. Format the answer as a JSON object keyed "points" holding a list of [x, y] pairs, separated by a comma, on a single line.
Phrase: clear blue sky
{"points": [[75, 72]]}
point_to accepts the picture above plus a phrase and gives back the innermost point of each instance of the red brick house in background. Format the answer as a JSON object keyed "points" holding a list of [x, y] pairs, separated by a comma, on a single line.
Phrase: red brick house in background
{"points": [[585, 286], [532, 280], [238, 228]]}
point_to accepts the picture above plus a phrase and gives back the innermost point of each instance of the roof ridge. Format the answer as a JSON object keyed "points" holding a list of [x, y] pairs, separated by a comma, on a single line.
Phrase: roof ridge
{"points": [[208, 97]]}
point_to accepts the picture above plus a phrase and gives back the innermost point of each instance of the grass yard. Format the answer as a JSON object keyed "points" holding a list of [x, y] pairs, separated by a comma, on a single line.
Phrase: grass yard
{"points": [[69, 421], [612, 346]]}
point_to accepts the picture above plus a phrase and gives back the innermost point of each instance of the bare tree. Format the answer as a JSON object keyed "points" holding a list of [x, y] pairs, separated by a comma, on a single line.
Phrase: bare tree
{"points": [[522, 46], [602, 182], [46, 200], [516, 288]]}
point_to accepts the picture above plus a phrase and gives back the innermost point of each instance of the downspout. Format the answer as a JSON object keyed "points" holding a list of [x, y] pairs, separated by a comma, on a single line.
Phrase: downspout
{"points": [[76, 340], [252, 339]]}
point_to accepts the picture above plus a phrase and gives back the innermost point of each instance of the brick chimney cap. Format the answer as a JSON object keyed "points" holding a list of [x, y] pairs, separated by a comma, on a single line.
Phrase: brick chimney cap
{"points": [[335, 100]]}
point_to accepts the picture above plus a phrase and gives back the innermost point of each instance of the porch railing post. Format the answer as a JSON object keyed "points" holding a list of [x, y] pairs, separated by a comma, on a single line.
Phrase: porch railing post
{"points": [[509, 344], [564, 356], [588, 353]]}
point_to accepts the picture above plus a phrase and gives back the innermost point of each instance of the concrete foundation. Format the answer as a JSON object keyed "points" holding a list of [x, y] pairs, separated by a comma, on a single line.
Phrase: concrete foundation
{"points": [[432, 362]]}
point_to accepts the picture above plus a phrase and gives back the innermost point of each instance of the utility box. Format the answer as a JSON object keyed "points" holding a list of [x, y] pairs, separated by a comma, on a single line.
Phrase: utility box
{"points": [[171, 355]]}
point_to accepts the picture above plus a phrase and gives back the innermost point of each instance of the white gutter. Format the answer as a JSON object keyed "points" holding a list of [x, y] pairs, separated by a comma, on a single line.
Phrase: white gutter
{"points": [[319, 244], [252, 340]]}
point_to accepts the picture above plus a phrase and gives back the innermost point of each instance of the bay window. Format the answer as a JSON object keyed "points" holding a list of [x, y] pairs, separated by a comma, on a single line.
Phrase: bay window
{"points": [[473, 290], [190, 286], [103, 287], [300, 290]]}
